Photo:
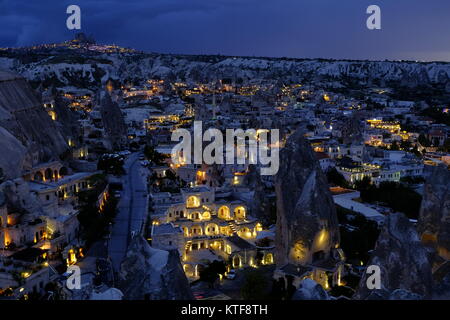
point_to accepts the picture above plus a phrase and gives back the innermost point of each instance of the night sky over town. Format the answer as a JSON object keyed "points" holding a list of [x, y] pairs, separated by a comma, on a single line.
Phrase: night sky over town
{"points": [[411, 30], [248, 155]]}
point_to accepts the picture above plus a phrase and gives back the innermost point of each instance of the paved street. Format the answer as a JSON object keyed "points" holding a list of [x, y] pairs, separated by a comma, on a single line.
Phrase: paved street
{"points": [[131, 210]]}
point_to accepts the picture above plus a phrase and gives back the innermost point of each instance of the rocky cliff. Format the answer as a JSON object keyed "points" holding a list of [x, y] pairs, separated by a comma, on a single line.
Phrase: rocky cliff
{"points": [[310, 290], [64, 69], [19, 199], [148, 273], [13, 154], [434, 218], [261, 204], [26, 130], [67, 119], [306, 216], [403, 260]]}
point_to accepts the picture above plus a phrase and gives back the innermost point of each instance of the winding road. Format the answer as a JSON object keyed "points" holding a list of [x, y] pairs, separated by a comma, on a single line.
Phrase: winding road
{"points": [[132, 210]]}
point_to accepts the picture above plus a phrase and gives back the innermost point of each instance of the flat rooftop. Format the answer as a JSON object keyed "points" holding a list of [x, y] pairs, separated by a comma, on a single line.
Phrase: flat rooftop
{"points": [[166, 228]]}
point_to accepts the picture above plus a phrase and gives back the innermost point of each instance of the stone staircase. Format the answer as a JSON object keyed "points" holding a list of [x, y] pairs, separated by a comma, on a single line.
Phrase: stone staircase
{"points": [[232, 226], [187, 246]]}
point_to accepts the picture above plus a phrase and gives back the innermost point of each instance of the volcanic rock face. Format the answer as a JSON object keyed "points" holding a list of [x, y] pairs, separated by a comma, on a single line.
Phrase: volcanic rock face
{"points": [[113, 122], [18, 199], [66, 117], [434, 219], [26, 130], [306, 215], [94, 71], [401, 294], [13, 154], [154, 274], [310, 290], [441, 289], [262, 203], [403, 261]]}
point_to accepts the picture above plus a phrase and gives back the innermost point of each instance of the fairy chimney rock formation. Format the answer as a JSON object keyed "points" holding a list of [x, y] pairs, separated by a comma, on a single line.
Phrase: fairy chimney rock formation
{"points": [[403, 262], [152, 274], [434, 218], [307, 225]]}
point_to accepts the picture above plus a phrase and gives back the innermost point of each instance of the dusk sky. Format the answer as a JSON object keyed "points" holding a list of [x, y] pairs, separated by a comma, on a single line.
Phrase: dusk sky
{"points": [[411, 29]]}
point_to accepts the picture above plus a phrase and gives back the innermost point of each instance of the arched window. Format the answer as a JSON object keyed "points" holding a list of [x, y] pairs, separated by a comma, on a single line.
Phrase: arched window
{"points": [[239, 213], [224, 213], [268, 258], [48, 174], [206, 215], [245, 233], [38, 176], [212, 229], [237, 263], [196, 231], [195, 216], [193, 202]]}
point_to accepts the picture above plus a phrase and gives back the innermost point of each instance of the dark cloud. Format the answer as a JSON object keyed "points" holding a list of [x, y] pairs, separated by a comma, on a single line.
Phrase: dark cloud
{"points": [[411, 29]]}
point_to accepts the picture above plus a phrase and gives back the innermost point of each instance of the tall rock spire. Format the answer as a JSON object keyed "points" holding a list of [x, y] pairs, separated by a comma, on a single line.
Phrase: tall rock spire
{"points": [[434, 218], [307, 225], [402, 260]]}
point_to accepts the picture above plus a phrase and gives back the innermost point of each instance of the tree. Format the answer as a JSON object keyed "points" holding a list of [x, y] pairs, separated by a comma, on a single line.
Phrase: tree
{"points": [[396, 195], [423, 140], [171, 175], [416, 151], [210, 274], [358, 235], [278, 289], [363, 184], [445, 147], [435, 142], [405, 145], [255, 285], [95, 224], [437, 115], [134, 145], [334, 177], [111, 164], [394, 146], [412, 180], [153, 155]]}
